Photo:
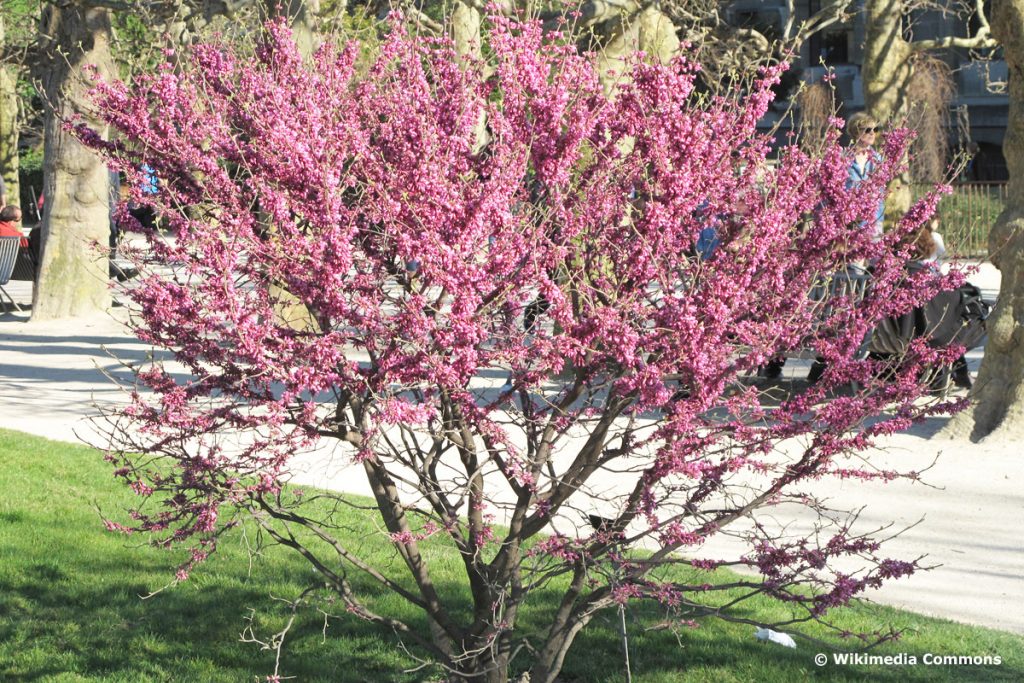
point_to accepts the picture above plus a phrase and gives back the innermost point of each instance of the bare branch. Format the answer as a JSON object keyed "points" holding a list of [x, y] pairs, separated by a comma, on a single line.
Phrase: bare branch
{"points": [[981, 40]]}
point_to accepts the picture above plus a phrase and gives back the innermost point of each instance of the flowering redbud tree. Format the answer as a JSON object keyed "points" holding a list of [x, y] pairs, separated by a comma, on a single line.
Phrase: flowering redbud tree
{"points": [[355, 264]]}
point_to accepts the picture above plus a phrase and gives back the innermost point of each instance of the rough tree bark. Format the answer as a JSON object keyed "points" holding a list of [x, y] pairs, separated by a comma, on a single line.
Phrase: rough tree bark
{"points": [[300, 15], [648, 30], [72, 279], [8, 127], [886, 74], [888, 70], [998, 411]]}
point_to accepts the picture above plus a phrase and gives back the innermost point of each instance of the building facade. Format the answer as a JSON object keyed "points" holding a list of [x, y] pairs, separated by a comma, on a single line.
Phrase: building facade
{"points": [[980, 108]]}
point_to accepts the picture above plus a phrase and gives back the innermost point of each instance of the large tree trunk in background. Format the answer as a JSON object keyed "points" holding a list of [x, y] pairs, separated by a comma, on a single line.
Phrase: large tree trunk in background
{"points": [[998, 398], [466, 23], [288, 310], [9, 128], [886, 76], [300, 15], [648, 30], [72, 279]]}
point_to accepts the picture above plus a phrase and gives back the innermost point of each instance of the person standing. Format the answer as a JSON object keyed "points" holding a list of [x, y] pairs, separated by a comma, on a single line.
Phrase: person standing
{"points": [[863, 131]]}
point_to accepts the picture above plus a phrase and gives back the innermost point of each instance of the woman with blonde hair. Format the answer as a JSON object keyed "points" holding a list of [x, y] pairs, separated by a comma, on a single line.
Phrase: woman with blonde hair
{"points": [[863, 132]]}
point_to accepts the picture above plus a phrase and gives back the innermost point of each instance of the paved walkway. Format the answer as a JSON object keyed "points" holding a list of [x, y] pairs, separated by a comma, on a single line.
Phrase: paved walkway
{"points": [[52, 374]]}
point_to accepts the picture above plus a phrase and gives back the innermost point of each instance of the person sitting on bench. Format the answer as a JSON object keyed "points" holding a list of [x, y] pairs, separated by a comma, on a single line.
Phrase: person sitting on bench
{"points": [[10, 216]]}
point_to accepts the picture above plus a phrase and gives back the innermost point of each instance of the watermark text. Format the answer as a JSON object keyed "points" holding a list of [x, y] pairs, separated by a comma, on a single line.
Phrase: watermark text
{"points": [[905, 659]]}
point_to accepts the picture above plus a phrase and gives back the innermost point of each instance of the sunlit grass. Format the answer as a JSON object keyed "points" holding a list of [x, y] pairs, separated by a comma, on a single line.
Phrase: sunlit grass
{"points": [[71, 607]]}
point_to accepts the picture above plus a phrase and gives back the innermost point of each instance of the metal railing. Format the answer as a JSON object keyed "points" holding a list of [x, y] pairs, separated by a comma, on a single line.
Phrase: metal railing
{"points": [[967, 216]]}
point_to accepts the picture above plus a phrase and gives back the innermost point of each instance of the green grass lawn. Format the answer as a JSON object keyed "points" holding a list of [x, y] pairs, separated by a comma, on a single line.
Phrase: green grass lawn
{"points": [[71, 608]]}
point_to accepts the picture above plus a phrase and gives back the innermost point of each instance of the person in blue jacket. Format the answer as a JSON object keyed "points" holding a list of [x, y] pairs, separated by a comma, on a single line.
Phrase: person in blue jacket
{"points": [[863, 131]]}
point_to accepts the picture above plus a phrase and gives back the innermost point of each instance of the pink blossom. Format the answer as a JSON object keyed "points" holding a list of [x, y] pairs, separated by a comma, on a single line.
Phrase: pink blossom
{"points": [[356, 198]]}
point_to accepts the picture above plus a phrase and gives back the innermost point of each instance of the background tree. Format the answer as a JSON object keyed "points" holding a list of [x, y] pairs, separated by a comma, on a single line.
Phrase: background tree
{"points": [[891, 65], [75, 37], [998, 397], [635, 368], [9, 122], [15, 35], [818, 109], [932, 90], [726, 52], [72, 272]]}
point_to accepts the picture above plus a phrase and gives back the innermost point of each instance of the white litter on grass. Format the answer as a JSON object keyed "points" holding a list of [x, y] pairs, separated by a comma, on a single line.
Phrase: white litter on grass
{"points": [[763, 634]]}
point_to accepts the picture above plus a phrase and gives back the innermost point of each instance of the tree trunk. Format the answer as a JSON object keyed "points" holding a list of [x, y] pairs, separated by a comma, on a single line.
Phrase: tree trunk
{"points": [[648, 30], [466, 22], [997, 413], [288, 310], [466, 31], [886, 76], [552, 657], [300, 15], [488, 667], [569, 620], [9, 128], [72, 279]]}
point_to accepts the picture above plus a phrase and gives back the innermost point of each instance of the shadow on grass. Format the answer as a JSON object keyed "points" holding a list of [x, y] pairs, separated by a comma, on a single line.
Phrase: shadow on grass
{"points": [[71, 607], [717, 651], [191, 631]]}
